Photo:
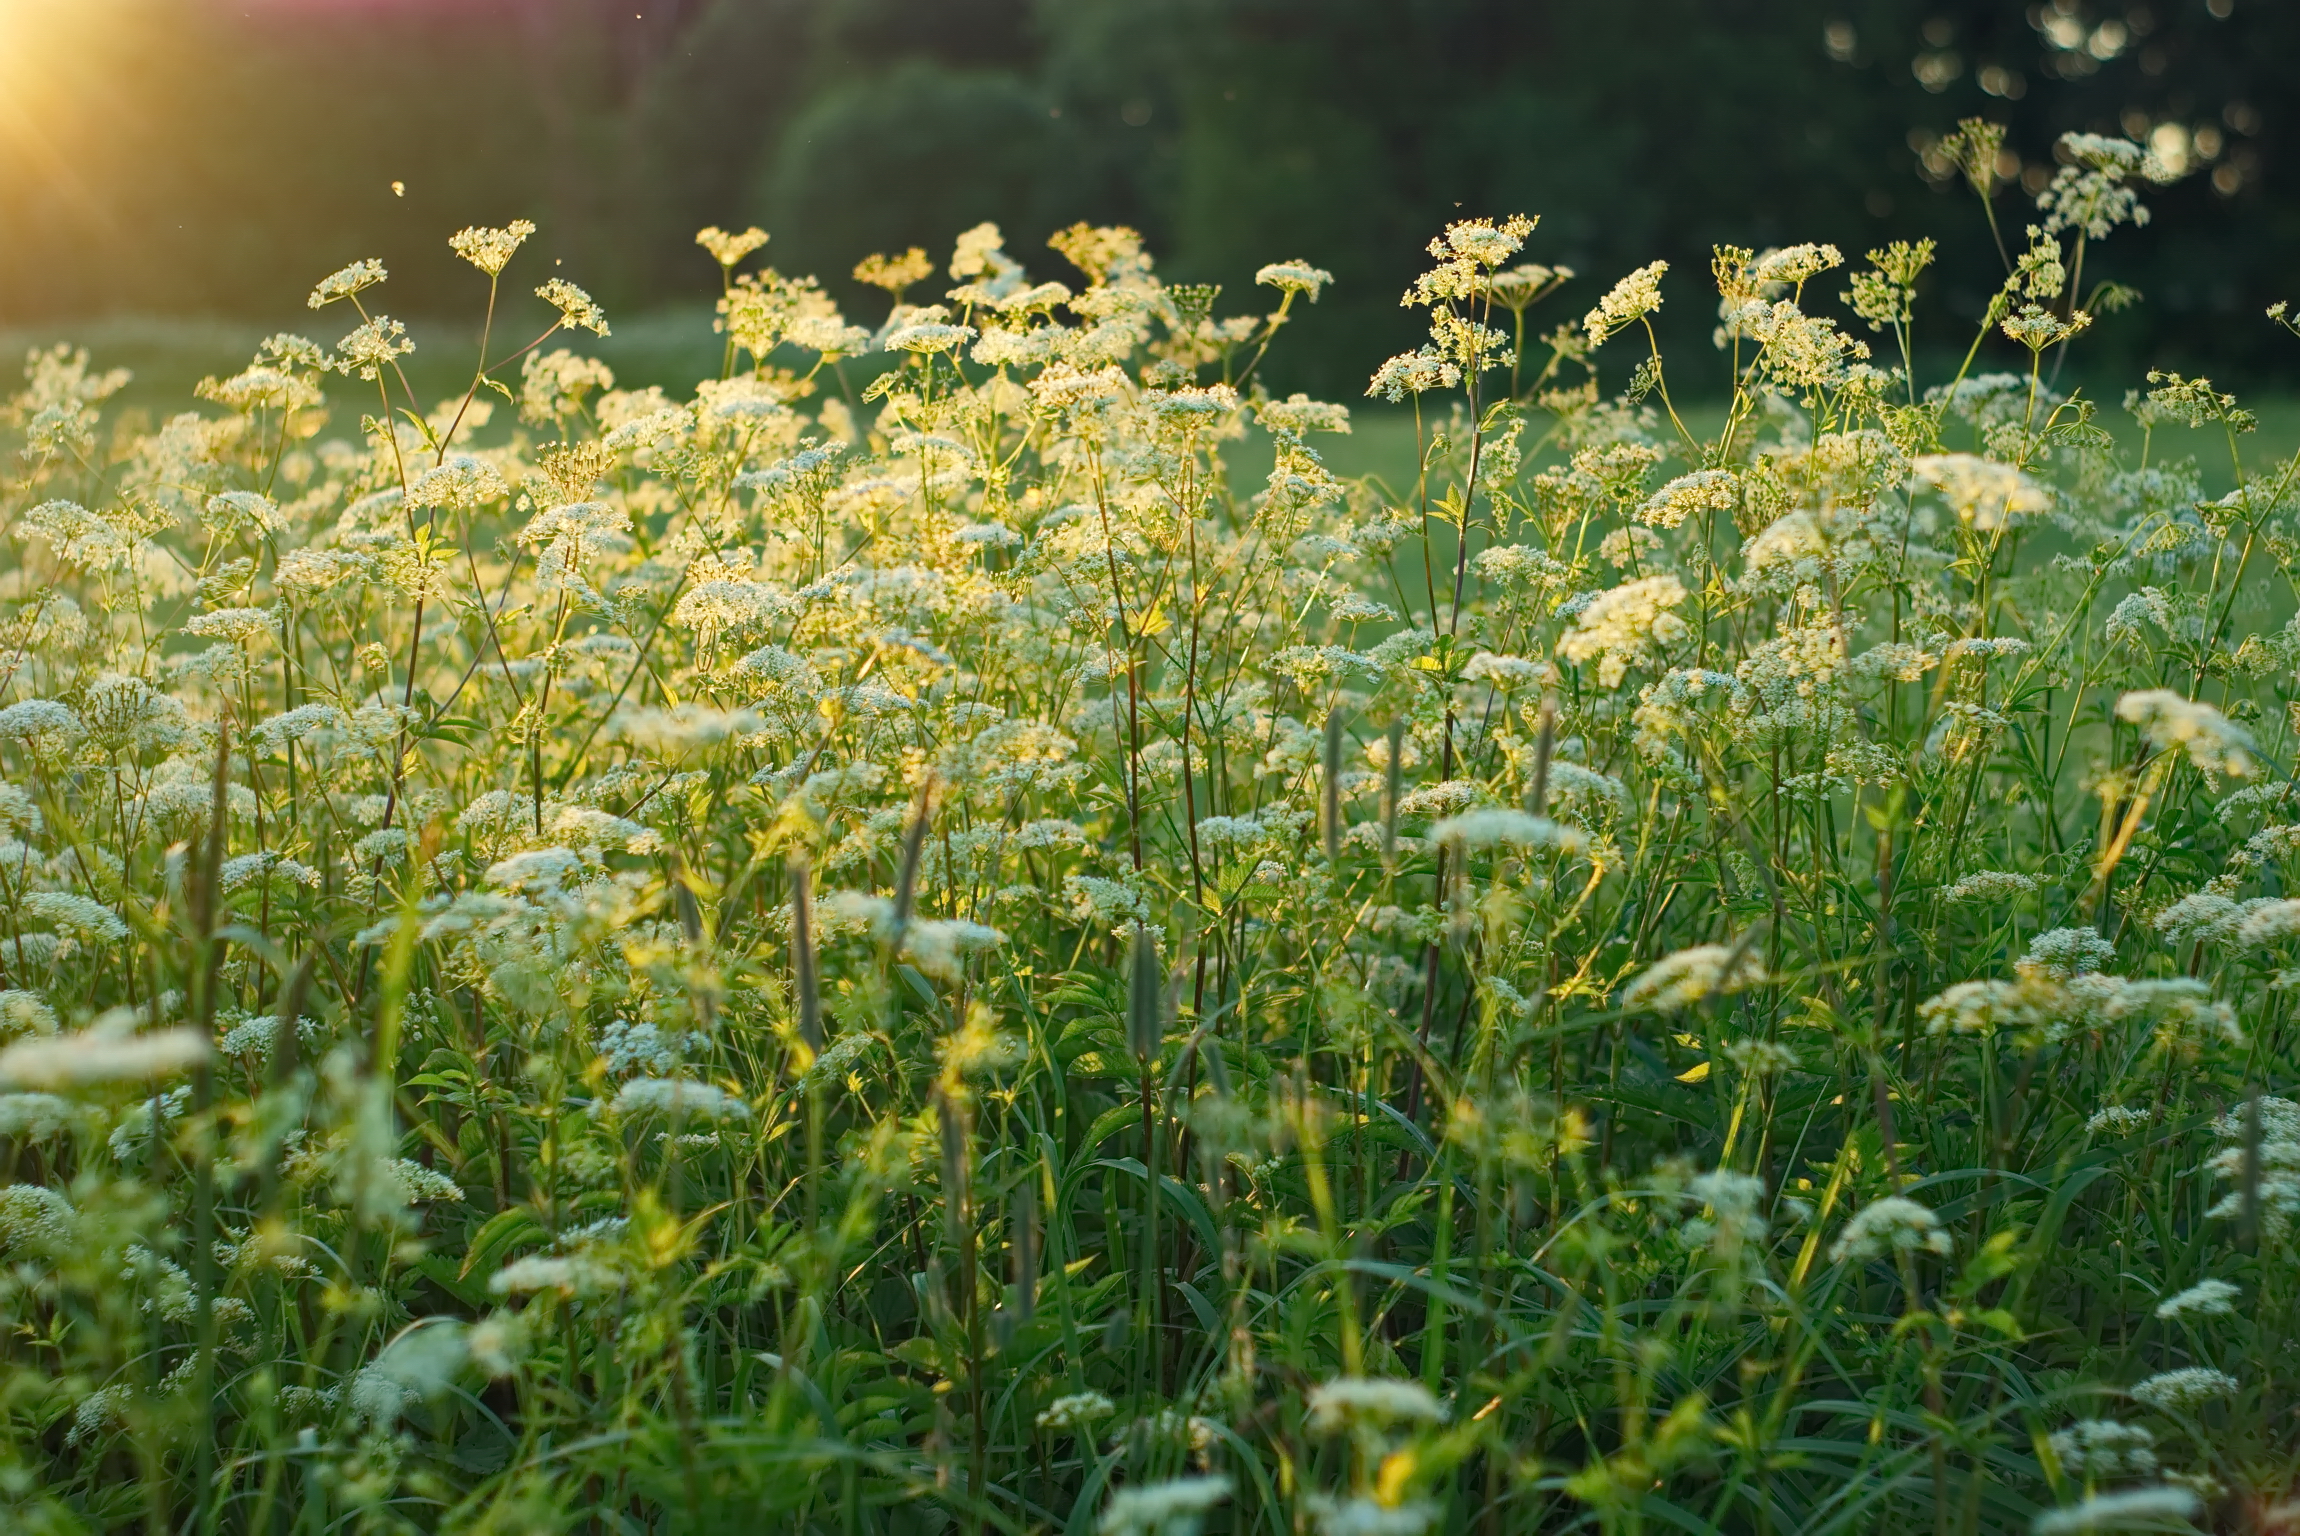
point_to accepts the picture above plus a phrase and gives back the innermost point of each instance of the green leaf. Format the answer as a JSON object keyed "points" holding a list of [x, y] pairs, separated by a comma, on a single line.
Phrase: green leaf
{"points": [[502, 1232]]}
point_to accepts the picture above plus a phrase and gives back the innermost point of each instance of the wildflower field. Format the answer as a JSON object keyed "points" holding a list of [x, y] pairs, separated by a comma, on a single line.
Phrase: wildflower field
{"points": [[894, 943]]}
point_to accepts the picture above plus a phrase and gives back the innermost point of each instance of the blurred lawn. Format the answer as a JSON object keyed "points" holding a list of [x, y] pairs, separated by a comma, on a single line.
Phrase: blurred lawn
{"points": [[1381, 440], [170, 356], [674, 348]]}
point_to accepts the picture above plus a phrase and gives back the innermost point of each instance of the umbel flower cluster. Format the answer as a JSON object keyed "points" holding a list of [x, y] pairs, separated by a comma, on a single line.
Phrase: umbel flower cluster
{"points": [[949, 930]]}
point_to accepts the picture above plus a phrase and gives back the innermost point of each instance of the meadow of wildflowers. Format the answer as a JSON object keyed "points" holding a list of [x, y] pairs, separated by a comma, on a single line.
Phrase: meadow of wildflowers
{"points": [[902, 943]]}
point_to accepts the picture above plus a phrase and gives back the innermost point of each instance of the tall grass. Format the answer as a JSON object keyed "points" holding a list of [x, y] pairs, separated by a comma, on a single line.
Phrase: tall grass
{"points": [[893, 947]]}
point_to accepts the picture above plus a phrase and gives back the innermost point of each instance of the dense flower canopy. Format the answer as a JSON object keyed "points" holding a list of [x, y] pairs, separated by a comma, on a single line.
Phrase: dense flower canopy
{"points": [[953, 919]]}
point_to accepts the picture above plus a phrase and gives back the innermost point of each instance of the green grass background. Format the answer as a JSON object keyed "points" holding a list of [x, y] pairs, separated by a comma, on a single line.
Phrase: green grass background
{"points": [[675, 347]]}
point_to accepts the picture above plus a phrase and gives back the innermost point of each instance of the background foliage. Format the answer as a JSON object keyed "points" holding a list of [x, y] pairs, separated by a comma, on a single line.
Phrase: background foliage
{"points": [[182, 156]]}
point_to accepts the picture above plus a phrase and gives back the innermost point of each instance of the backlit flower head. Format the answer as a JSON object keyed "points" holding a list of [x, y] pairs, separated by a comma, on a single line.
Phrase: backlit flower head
{"points": [[2213, 742], [729, 250], [346, 281], [1627, 625], [1349, 1401], [491, 250], [1295, 277], [377, 344], [99, 1056], [576, 309], [1894, 1224], [1627, 302], [2206, 1298], [2134, 1509], [1986, 494], [895, 273], [1690, 976], [1174, 1507], [2184, 1389]]}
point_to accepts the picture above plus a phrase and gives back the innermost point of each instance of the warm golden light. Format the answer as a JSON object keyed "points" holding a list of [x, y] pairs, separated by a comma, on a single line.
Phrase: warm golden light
{"points": [[52, 76], [36, 37]]}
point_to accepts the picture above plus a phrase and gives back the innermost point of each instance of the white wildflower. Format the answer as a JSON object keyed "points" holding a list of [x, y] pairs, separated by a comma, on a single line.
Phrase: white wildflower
{"points": [[1110, 902], [2174, 1391], [1762, 1058], [927, 337], [35, 1217], [251, 511], [1174, 1507], [101, 1055], [940, 946], [576, 309], [987, 535], [1364, 1516], [1299, 414], [36, 1116], [1690, 976], [552, 384], [2093, 194], [827, 334], [1414, 373], [40, 722], [346, 281], [2201, 915], [375, 345], [1626, 625], [1062, 386], [490, 250], [569, 1276], [1075, 1411], [631, 1047], [419, 1185], [1704, 490], [19, 812], [1992, 885], [1895, 1224], [1362, 1400], [421, 1363], [2134, 1509], [1979, 1008], [461, 483], [1445, 798], [537, 869], [234, 626], [25, 1013], [685, 727], [1982, 493], [2092, 1448], [1630, 300], [2213, 742], [1295, 277], [2206, 1298], [2117, 1120], [496, 1342], [839, 1062], [1731, 1200], [1629, 547], [2270, 920], [729, 249], [1498, 826], [79, 536], [303, 721], [676, 1096], [1509, 671], [2064, 952]]}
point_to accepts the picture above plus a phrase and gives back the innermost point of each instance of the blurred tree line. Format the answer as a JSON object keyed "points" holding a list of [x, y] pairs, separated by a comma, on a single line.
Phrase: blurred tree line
{"points": [[197, 156]]}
